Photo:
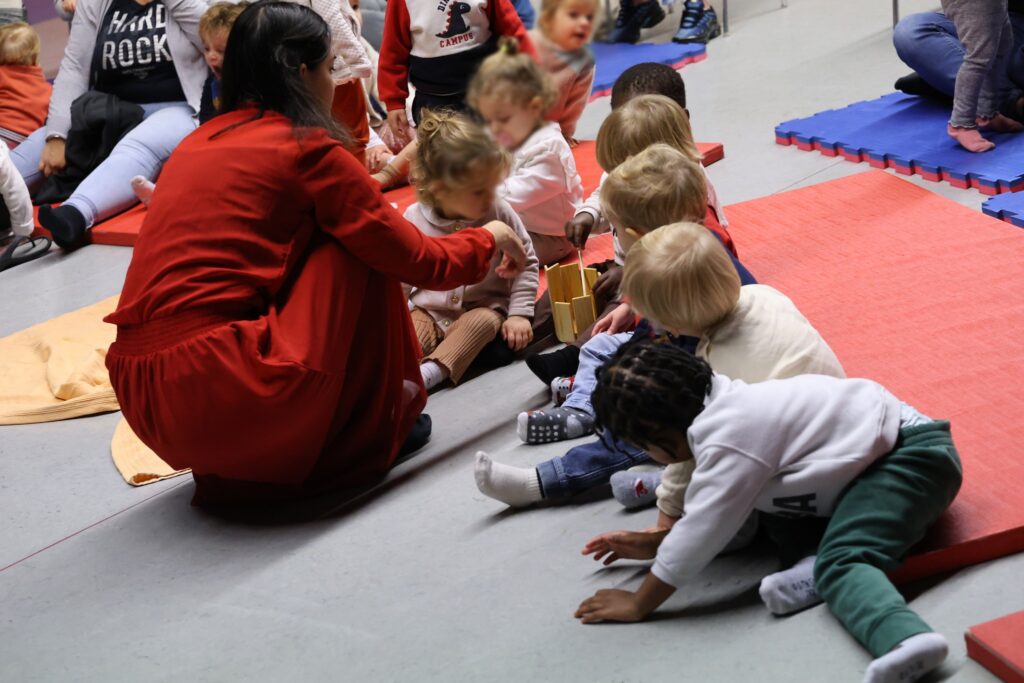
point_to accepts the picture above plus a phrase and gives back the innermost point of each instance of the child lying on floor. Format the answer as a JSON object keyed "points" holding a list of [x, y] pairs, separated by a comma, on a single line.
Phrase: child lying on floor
{"points": [[457, 171], [815, 446]]}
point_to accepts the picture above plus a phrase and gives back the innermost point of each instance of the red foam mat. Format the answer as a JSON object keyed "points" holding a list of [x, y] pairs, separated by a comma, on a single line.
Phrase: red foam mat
{"points": [[121, 230], [998, 645], [922, 295]]}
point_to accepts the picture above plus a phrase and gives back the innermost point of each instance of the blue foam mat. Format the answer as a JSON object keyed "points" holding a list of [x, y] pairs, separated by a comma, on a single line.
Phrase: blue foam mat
{"points": [[614, 58], [1006, 207], [908, 133]]}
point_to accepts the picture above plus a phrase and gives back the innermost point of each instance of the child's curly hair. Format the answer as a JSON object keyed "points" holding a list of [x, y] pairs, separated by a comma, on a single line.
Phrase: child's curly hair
{"points": [[452, 150], [648, 390], [220, 16], [512, 75]]}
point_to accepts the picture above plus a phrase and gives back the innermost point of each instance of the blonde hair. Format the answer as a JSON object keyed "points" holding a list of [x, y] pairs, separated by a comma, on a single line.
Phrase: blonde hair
{"points": [[454, 151], [19, 44], [220, 16], [681, 277], [658, 186], [640, 123], [510, 74], [549, 7]]}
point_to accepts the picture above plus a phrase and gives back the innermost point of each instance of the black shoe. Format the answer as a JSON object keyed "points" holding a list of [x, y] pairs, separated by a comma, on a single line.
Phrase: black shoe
{"points": [[66, 225], [913, 84], [560, 363], [633, 17], [418, 437]]}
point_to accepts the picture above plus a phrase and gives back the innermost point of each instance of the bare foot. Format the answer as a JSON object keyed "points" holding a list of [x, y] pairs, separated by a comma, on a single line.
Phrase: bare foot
{"points": [[970, 139], [1000, 124]]}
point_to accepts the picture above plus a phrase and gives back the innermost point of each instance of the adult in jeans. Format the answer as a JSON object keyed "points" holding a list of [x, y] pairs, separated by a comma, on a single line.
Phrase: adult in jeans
{"points": [[143, 51], [927, 42]]}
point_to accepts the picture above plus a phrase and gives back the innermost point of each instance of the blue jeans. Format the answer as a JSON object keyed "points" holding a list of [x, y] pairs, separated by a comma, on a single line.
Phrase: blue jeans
{"points": [[586, 466], [593, 355], [927, 42], [107, 190]]}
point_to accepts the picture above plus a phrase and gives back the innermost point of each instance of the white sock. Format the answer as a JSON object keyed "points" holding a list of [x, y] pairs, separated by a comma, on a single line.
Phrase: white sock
{"points": [[909, 660], [143, 188], [791, 590], [433, 374], [514, 486]]}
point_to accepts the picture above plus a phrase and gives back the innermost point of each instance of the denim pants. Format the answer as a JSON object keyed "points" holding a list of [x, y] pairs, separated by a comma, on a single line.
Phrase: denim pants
{"points": [[593, 355], [586, 466], [928, 43], [107, 190], [9, 16]]}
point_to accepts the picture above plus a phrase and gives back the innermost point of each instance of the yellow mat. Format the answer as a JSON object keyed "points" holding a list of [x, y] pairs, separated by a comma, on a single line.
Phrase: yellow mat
{"points": [[55, 370], [135, 461]]}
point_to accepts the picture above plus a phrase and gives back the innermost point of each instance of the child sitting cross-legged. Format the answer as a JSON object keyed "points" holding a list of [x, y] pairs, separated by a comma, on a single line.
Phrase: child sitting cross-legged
{"points": [[845, 450], [457, 171], [544, 188]]}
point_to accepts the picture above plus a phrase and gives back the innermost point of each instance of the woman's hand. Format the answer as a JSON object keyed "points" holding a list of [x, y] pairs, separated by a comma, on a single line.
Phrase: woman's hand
{"points": [[625, 545], [52, 159], [398, 122], [377, 157], [508, 243], [517, 332], [578, 229], [617, 321]]}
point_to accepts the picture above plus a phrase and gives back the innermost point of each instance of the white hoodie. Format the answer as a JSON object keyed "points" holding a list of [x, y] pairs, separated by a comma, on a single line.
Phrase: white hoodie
{"points": [[544, 187], [785, 446]]}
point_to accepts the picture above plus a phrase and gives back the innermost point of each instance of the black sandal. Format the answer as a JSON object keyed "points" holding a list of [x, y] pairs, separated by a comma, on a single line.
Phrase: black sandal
{"points": [[23, 250]]}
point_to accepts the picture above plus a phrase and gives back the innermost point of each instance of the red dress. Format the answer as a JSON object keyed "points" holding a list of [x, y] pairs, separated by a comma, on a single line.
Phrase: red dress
{"points": [[263, 337]]}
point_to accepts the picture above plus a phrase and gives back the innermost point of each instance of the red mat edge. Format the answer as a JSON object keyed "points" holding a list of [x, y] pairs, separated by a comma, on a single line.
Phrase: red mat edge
{"points": [[993, 660], [966, 554]]}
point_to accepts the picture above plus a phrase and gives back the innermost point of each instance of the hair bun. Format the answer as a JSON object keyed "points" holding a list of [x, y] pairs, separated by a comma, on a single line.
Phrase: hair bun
{"points": [[508, 46]]}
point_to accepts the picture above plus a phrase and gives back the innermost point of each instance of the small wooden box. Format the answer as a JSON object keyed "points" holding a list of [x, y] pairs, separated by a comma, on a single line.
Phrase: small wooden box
{"points": [[572, 302]]}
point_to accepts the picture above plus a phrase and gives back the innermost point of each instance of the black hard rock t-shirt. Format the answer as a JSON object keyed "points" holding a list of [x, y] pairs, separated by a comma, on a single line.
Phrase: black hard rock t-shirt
{"points": [[132, 59]]}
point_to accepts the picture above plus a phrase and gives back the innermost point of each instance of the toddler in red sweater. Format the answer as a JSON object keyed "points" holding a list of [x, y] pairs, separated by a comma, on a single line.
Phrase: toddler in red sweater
{"points": [[24, 92]]}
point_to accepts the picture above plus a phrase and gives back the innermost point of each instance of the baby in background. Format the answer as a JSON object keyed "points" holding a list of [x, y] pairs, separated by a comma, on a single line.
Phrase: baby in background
{"points": [[983, 26], [24, 92], [843, 450], [214, 29], [561, 38], [457, 171], [512, 95]]}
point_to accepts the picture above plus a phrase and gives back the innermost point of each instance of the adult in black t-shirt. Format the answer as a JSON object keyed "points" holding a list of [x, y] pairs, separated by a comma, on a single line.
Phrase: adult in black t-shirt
{"points": [[146, 52], [927, 42]]}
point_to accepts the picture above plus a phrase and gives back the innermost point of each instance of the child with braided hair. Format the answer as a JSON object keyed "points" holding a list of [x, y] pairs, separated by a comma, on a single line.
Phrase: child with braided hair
{"points": [[845, 450]]}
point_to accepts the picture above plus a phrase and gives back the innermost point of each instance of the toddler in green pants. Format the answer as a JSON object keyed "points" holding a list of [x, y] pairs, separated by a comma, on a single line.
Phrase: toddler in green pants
{"points": [[808, 446]]}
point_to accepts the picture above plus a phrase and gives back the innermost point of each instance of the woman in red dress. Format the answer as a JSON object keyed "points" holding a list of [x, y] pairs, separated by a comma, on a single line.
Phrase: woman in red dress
{"points": [[263, 338]]}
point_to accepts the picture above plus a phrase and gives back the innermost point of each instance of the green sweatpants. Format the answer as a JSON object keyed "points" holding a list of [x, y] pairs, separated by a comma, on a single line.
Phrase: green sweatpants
{"points": [[881, 515]]}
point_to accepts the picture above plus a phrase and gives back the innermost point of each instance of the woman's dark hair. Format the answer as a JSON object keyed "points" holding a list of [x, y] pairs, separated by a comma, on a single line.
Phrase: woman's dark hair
{"points": [[267, 44], [648, 390], [649, 78]]}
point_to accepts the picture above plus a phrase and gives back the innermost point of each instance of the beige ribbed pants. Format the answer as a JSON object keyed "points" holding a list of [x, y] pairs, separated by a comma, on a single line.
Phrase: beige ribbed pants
{"points": [[457, 346]]}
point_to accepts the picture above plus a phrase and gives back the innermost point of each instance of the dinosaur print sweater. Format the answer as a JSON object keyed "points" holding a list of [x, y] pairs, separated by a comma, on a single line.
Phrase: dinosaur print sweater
{"points": [[436, 45]]}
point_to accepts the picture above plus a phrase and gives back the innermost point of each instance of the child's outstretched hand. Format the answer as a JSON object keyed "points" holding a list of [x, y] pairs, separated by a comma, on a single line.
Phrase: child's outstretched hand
{"points": [[578, 229], [513, 252], [625, 545], [517, 332], [617, 321], [610, 604]]}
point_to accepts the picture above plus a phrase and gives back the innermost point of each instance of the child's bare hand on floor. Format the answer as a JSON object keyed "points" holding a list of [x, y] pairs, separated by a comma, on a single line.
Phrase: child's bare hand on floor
{"points": [[625, 545], [517, 332], [610, 605]]}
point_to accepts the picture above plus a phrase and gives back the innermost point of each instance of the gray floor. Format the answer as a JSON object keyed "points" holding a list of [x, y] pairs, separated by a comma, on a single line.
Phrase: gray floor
{"points": [[427, 579]]}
